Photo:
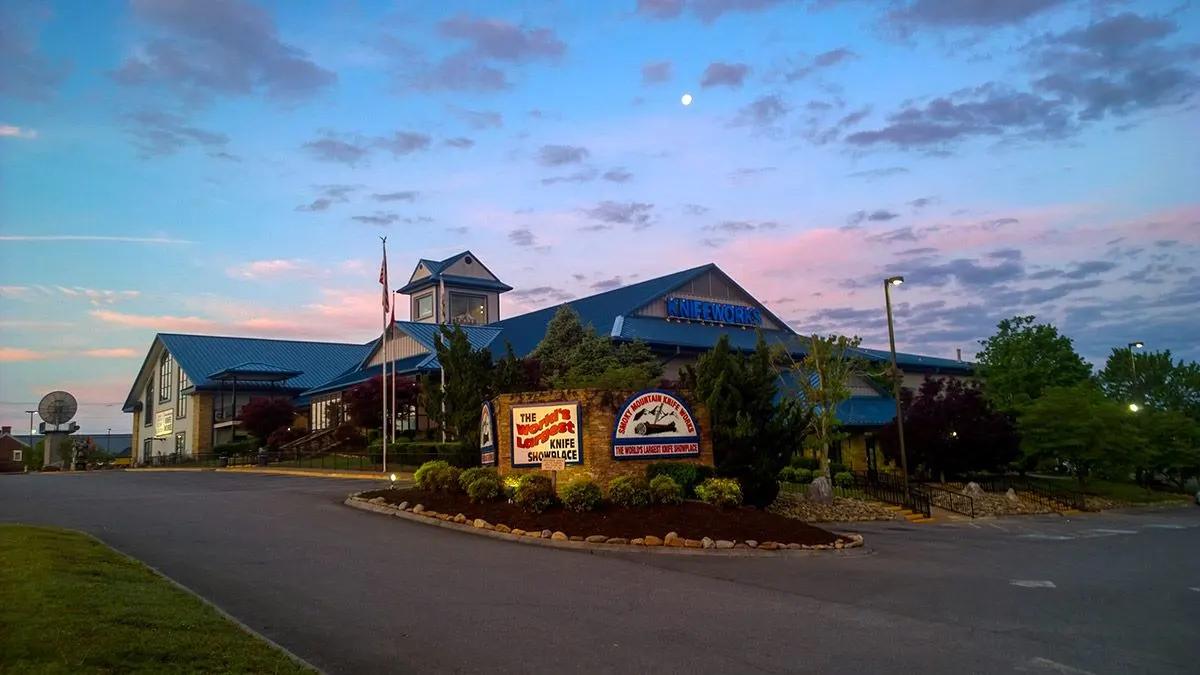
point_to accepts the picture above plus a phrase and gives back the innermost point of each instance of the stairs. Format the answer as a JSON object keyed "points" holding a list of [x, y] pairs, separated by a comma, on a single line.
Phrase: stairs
{"points": [[909, 515]]}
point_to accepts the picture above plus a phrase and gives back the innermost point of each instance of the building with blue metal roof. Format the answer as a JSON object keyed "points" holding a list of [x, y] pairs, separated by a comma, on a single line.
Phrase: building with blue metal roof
{"points": [[190, 383]]}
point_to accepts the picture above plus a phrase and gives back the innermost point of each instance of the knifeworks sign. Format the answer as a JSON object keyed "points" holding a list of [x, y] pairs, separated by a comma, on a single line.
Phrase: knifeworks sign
{"points": [[655, 424], [546, 431]]}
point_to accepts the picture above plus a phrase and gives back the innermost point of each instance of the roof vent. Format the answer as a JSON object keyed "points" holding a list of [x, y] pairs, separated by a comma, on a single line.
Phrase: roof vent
{"points": [[468, 260]]}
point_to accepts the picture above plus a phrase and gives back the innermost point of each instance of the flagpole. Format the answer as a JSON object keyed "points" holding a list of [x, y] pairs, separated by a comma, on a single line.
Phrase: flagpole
{"points": [[445, 306], [383, 279], [395, 408]]}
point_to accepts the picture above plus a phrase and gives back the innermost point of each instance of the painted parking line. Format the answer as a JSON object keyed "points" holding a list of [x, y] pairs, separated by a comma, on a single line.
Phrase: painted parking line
{"points": [[1196, 588], [1046, 665], [1032, 583], [1047, 537], [1172, 526]]}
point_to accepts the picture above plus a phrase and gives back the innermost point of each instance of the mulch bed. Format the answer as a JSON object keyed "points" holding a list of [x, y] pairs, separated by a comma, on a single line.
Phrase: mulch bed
{"points": [[691, 520]]}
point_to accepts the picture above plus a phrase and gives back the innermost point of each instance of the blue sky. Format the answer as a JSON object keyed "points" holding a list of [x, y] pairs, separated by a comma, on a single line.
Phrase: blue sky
{"points": [[228, 166]]}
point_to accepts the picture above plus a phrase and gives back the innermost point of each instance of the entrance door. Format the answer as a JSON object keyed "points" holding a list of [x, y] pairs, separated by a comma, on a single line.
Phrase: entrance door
{"points": [[872, 467]]}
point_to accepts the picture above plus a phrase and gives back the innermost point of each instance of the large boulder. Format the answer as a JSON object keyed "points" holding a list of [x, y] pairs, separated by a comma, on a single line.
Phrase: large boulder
{"points": [[974, 491], [820, 490]]}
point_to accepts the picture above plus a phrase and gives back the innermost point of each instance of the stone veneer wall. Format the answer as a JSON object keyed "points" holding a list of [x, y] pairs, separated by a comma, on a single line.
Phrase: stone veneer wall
{"points": [[598, 408]]}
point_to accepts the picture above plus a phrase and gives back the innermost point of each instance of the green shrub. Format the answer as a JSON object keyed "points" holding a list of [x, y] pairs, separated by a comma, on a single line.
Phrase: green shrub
{"points": [[759, 488], [447, 479], [686, 476], [804, 476], [629, 491], [426, 476], [843, 478], [837, 467], [485, 488], [724, 493], [664, 490], [791, 474], [534, 493], [236, 449], [471, 475], [581, 495], [802, 462]]}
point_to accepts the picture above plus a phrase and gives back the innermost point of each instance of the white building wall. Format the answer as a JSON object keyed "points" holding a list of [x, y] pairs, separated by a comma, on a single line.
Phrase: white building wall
{"points": [[400, 348], [164, 440], [708, 288]]}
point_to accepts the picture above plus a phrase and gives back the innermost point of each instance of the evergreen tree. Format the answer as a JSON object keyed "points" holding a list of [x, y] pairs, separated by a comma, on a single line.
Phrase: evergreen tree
{"points": [[468, 374]]}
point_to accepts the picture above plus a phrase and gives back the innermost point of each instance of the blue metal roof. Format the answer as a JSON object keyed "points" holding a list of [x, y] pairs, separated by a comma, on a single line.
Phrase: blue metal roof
{"points": [[917, 361], [202, 355], [857, 411], [406, 366], [524, 332], [480, 337], [654, 331]]}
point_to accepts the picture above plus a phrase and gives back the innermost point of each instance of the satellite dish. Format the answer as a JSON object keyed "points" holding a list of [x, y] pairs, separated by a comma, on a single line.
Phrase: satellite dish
{"points": [[58, 407]]}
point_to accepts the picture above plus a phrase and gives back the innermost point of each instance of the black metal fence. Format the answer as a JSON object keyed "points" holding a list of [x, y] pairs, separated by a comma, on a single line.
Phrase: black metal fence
{"points": [[881, 487], [1050, 497], [401, 460], [950, 500]]}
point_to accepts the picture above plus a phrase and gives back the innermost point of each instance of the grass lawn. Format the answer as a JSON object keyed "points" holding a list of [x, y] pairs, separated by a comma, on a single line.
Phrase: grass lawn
{"points": [[69, 604], [1121, 492]]}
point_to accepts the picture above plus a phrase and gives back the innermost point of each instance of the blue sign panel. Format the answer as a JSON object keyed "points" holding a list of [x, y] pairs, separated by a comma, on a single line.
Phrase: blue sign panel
{"points": [[699, 310], [655, 424]]}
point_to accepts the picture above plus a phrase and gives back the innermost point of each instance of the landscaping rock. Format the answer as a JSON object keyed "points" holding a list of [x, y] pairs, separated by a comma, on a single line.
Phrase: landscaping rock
{"points": [[839, 544], [378, 500], [974, 491], [534, 535], [639, 541], [651, 540], [707, 543], [820, 491], [575, 537], [740, 545], [444, 516], [480, 523], [503, 529], [692, 543], [840, 510], [558, 536], [724, 543], [403, 506], [769, 546], [517, 531], [751, 543], [460, 518], [674, 542], [419, 508], [670, 536], [616, 540], [793, 547], [596, 539], [546, 534]]}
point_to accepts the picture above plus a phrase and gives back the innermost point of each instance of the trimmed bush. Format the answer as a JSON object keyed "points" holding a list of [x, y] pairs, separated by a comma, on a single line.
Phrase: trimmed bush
{"points": [[581, 495], [790, 474], [802, 462], [426, 476], [237, 448], [534, 493], [665, 491], [843, 478], [686, 476], [485, 488], [759, 489], [629, 491], [471, 475], [723, 493], [838, 467]]}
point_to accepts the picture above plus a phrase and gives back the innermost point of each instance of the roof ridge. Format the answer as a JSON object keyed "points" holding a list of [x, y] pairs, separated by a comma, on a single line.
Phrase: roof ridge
{"points": [[262, 339]]}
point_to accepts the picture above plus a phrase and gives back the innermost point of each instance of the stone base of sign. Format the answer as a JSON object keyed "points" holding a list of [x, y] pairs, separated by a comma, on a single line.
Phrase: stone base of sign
{"points": [[598, 409], [850, 545]]}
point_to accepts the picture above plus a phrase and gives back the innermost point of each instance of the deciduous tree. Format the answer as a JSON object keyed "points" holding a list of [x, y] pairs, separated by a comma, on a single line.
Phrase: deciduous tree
{"points": [[1161, 382], [1080, 426], [261, 416], [363, 404], [574, 356], [950, 428], [1023, 359], [822, 383], [1172, 448]]}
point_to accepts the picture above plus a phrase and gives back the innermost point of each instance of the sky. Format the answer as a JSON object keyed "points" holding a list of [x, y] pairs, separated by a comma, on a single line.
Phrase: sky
{"points": [[228, 166]]}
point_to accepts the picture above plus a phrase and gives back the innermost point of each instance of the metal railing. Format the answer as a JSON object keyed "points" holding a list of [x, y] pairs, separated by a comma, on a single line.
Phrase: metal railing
{"points": [[878, 487], [1054, 499], [950, 500], [227, 413]]}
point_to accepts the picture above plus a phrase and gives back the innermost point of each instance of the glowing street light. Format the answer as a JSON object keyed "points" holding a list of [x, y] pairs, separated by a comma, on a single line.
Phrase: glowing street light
{"points": [[887, 295], [1133, 407], [1133, 381]]}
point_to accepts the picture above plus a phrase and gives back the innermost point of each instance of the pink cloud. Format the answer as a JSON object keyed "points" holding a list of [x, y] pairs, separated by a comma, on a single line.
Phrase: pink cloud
{"points": [[16, 355], [94, 295], [11, 131], [280, 268], [117, 353]]}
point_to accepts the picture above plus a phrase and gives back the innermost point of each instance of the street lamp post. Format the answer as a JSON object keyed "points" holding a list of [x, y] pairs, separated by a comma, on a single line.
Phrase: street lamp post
{"points": [[887, 295], [31, 442], [1133, 383]]}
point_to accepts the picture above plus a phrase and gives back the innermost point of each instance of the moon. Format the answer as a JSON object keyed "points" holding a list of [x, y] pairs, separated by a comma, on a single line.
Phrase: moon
{"points": [[686, 100]]}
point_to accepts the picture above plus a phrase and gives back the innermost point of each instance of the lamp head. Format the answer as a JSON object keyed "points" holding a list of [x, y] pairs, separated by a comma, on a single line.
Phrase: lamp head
{"points": [[894, 281], [1136, 345], [1133, 407]]}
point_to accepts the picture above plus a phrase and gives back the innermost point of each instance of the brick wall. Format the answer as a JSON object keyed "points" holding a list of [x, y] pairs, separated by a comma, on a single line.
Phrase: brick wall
{"points": [[201, 423], [599, 411]]}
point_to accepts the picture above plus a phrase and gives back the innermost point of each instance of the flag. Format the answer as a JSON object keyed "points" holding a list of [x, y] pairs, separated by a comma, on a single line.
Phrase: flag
{"points": [[383, 280]]}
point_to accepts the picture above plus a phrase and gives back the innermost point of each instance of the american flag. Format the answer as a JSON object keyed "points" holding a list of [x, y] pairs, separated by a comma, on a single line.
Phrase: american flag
{"points": [[383, 280]]}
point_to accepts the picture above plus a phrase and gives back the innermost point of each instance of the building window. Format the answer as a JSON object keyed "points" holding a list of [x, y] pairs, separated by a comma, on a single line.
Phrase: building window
{"points": [[180, 443], [164, 378], [18, 456], [180, 399], [147, 449], [424, 308], [148, 406], [470, 310]]}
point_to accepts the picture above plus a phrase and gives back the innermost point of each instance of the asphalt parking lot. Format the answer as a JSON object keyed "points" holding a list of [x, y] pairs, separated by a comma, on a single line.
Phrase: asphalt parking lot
{"points": [[355, 592]]}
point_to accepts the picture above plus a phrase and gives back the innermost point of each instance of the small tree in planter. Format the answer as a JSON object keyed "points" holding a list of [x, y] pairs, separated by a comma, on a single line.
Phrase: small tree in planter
{"points": [[262, 416]]}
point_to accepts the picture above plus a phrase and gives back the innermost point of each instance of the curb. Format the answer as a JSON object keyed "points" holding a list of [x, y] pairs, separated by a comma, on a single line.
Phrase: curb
{"points": [[853, 549], [298, 660], [277, 472]]}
